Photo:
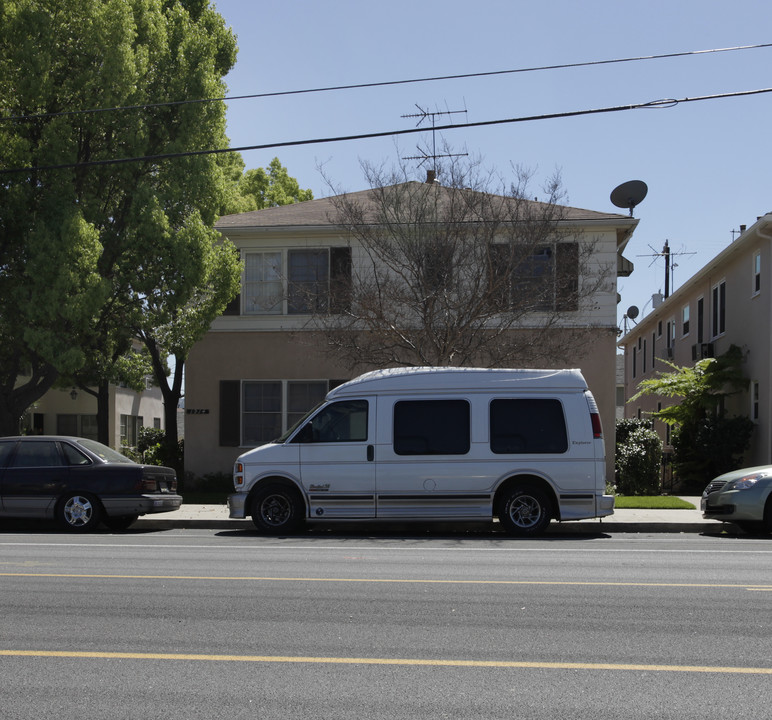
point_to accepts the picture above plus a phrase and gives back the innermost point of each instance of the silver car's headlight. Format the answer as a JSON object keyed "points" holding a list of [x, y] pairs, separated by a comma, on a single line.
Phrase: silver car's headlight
{"points": [[745, 483]]}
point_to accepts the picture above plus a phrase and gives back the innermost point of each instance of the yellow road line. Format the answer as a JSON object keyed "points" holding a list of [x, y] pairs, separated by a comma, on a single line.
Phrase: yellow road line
{"points": [[408, 581], [68, 654]]}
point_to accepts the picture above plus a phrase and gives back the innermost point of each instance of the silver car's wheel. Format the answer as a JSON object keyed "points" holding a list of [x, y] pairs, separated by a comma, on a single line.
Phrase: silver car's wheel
{"points": [[79, 512]]}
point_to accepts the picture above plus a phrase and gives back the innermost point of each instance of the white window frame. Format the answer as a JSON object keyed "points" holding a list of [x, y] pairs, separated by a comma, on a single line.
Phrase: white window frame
{"points": [[685, 320]]}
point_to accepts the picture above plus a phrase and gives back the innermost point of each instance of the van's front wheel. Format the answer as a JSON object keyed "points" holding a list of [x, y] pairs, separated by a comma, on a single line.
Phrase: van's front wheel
{"points": [[525, 511], [277, 509]]}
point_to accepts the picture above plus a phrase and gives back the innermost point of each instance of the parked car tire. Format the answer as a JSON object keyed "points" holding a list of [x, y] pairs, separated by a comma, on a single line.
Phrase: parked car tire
{"points": [[277, 509], [525, 511], [119, 522], [79, 512]]}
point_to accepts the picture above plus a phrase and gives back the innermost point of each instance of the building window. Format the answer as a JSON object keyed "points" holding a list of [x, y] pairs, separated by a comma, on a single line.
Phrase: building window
{"points": [[685, 320], [297, 281], [254, 412], [756, 273], [700, 320], [718, 309], [262, 287], [755, 394], [301, 397], [653, 350], [635, 363], [542, 279], [130, 425], [644, 355], [77, 425], [260, 412]]}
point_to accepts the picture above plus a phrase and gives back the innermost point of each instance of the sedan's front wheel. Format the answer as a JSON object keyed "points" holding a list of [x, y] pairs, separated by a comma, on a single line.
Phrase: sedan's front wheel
{"points": [[79, 512]]}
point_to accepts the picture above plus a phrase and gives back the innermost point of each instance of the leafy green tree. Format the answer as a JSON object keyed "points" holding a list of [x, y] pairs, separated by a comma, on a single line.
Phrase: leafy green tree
{"points": [[85, 251], [706, 441], [260, 188]]}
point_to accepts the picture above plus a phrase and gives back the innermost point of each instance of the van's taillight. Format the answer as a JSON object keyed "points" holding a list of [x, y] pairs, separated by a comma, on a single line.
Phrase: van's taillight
{"points": [[238, 475], [597, 430]]}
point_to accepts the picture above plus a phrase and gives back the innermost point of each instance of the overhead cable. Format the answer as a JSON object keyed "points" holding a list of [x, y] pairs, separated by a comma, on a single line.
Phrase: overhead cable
{"points": [[384, 83], [666, 103]]}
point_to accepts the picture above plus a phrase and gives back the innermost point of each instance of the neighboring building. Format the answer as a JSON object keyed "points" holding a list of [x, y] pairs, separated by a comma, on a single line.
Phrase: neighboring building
{"points": [[74, 412], [728, 302], [260, 368]]}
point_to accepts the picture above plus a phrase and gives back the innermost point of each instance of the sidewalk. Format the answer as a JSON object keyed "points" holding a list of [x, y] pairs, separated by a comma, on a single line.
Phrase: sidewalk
{"points": [[215, 517]]}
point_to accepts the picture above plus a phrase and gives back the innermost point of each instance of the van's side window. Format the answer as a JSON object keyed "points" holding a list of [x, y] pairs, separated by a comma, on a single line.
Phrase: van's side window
{"points": [[431, 427], [344, 421], [528, 426]]}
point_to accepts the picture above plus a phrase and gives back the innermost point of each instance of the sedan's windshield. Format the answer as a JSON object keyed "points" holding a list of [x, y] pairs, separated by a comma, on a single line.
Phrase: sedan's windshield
{"points": [[106, 453]]}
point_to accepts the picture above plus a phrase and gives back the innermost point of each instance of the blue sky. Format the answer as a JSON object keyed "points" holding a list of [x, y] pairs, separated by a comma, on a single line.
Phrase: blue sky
{"points": [[706, 163]]}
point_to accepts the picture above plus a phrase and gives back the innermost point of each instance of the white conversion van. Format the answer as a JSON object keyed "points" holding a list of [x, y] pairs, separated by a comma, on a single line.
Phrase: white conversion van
{"points": [[450, 444]]}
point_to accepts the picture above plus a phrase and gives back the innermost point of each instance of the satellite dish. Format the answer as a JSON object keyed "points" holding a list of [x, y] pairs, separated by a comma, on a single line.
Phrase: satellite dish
{"points": [[632, 312], [629, 194]]}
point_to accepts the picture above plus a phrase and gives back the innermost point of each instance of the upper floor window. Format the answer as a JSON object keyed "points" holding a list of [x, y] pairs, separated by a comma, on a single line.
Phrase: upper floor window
{"points": [[756, 273], [718, 309], [537, 279], [685, 320], [296, 281]]}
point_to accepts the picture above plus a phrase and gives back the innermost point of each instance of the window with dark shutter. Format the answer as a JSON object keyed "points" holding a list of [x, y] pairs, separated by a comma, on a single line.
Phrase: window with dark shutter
{"points": [[230, 413]]}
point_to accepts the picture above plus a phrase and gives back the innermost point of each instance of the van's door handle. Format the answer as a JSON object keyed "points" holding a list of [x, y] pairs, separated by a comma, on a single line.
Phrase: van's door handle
{"points": [[370, 453]]}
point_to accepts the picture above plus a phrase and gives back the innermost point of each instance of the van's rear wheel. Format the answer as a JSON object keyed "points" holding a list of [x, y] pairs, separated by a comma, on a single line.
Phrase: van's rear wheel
{"points": [[525, 511], [277, 509]]}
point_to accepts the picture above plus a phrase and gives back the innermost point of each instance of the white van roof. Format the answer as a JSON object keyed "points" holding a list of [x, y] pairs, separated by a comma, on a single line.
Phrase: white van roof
{"points": [[429, 379]]}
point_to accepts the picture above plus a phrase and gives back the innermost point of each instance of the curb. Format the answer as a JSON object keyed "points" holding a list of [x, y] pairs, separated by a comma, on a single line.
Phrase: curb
{"points": [[579, 527]]}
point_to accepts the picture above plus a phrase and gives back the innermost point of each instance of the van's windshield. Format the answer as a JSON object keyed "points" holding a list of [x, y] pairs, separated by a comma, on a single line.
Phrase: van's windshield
{"points": [[283, 438]]}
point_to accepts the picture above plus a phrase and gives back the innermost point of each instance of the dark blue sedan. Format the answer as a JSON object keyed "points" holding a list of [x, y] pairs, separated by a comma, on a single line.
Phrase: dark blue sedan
{"points": [[80, 483]]}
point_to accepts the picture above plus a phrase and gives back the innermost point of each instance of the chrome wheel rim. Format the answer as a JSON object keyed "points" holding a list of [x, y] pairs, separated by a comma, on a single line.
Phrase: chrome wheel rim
{"points": [[525, 511], [78, 511], [275, 510]]}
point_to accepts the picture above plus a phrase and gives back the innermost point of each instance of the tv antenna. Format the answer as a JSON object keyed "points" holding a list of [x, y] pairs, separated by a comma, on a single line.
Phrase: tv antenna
{"points": [[424, 115], [670, 265], [629, 194]]}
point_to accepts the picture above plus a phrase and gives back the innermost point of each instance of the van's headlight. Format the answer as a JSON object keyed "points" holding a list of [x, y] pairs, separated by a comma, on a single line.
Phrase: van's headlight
{"points": [[238, 475], [745, 483]]}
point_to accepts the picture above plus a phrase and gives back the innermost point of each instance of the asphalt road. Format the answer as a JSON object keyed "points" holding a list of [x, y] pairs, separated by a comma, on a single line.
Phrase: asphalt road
{"points": [[207, 624]]}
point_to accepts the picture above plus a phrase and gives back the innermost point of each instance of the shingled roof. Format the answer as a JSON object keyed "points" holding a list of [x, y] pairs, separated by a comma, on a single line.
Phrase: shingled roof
{"points": [[321, 213]]}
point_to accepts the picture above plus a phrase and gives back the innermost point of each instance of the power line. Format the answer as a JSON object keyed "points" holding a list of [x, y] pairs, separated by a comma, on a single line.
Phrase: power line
{"points": [[359, 86], [666, 103]]}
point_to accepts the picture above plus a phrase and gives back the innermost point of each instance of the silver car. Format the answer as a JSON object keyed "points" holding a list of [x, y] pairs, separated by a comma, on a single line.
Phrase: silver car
{"points": [[742, 497]]}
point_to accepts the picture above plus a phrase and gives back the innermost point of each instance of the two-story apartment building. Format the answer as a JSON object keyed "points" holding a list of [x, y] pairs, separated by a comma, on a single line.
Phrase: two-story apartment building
{"points": [[262, 366], [728, 302]]}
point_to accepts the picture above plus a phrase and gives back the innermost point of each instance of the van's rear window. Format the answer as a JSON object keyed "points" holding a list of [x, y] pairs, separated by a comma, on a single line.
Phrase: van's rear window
{"points": [[528, 425], [431, 427]]}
